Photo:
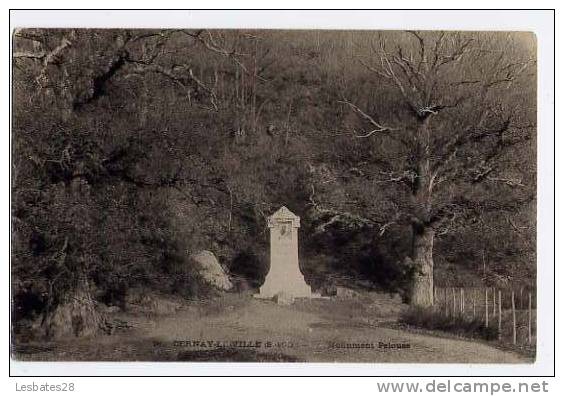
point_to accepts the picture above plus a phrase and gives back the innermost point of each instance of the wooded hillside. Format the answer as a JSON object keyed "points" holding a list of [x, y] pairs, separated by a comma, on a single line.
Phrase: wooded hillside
{"points": [[409, 156]]}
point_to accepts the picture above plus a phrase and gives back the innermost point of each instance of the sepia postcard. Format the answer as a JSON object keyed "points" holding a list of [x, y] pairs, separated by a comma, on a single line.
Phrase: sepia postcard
{"points": [[274, 195]]}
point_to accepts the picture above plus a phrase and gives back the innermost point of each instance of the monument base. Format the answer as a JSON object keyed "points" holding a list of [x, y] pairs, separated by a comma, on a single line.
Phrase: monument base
{"points": [[269, 297], [301, 291], [295, 287]]}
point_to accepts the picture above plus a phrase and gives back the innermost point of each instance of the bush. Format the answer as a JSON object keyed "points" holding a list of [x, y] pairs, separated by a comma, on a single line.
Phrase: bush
{"points": [[249, 266], [28, 301], [429, 318]]}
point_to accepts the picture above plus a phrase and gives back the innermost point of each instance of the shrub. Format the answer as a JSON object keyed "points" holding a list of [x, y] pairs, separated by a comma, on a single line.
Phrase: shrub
{"points": [[249, 266], [429, 318]]}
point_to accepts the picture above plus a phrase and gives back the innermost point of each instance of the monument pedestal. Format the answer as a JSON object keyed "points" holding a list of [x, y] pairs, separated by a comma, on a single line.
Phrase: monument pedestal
{"points": [[294, 286], [284, 276]]}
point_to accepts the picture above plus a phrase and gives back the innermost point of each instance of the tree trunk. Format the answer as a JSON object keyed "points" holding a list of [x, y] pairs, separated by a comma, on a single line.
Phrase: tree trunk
{"points": [[423, 232], [422, 256], [75, 316]]}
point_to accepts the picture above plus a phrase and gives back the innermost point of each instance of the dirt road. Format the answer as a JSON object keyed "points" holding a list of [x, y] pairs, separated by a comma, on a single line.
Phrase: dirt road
{"points": [[321, 331], [241, 328]]}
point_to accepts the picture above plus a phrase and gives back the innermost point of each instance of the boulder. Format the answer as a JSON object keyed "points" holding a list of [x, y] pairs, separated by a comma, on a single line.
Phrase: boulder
{"points": [[210, 270]]}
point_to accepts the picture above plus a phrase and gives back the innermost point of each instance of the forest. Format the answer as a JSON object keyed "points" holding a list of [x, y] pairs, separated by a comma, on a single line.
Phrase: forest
{"points": [[409, 156]]}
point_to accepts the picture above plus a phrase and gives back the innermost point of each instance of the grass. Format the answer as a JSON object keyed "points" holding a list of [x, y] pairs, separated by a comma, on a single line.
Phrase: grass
{"points": [[431, 319]]}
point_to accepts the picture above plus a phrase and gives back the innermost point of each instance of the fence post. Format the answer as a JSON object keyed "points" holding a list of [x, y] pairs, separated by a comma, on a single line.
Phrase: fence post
{"points": [[453, 302], [514, 319], [499, 313], [473, 303], [493, 303], [462, 300], [445, 301], [487, 322], [530, 320]]}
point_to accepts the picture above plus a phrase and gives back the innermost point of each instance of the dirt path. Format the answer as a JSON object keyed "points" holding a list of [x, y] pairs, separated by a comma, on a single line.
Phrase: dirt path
{"points": [[241, 328], [326, 336]]}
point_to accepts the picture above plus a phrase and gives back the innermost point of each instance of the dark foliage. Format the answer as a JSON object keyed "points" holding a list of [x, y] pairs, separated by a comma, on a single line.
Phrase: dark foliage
{"points": [[250, 267], [133, 149]]}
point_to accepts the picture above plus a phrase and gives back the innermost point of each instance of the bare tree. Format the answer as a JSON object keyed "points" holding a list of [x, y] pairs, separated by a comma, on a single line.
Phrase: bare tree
{"points": [[459, 109]]}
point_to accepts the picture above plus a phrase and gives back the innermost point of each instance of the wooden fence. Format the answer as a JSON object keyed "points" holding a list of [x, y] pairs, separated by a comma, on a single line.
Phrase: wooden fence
{"points": [[512, 312]]}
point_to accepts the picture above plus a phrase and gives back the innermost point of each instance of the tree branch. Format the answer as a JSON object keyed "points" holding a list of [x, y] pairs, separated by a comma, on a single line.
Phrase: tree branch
{"points": [[378, 127]]}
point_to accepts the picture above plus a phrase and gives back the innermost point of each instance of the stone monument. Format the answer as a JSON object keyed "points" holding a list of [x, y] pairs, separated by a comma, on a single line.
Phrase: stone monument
{"points": [[284, 277]]}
